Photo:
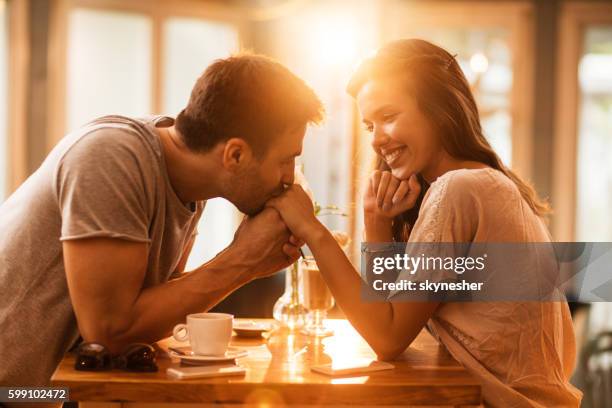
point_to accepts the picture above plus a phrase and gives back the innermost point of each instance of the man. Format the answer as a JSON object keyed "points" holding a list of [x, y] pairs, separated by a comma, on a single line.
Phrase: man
{"points": [[94, 243]]}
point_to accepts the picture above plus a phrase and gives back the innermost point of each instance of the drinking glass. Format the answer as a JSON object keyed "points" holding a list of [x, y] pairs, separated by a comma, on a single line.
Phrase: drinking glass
{"points": [[317, 298]]}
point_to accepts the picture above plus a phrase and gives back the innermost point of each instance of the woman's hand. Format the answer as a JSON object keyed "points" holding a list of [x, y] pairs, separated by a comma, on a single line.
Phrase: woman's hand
{"points": [[297, 211], [387, 196]]}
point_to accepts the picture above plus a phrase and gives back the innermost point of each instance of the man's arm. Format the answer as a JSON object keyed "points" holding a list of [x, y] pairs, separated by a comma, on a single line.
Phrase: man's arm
{"points": [[179, 271], [105, 278]]}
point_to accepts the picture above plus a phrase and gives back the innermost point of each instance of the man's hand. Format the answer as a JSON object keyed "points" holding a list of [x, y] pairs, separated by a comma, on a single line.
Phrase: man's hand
{"points": [[262, 244], [105, 280]]}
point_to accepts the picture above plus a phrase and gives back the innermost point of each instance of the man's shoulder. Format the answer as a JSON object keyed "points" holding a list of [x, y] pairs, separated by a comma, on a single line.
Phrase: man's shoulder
{"points": [[111, 136], [115, 130]]}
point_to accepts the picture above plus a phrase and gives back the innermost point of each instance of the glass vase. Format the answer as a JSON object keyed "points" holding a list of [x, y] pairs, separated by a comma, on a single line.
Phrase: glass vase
{"points": [[288, 309]]}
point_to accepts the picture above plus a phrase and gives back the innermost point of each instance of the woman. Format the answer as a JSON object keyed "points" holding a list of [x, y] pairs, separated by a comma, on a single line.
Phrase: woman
{"points": [[416, 102]]}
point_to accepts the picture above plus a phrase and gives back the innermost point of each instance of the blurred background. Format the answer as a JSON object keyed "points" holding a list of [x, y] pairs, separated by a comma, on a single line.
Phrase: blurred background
{"points": [[541, 72]]}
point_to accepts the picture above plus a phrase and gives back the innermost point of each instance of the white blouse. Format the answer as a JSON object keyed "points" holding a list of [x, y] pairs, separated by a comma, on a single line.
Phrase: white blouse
{"points": [[523, 352]]}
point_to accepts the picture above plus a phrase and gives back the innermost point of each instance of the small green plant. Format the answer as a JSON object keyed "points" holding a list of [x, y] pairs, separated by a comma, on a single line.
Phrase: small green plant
{"points": [[328, 210]]}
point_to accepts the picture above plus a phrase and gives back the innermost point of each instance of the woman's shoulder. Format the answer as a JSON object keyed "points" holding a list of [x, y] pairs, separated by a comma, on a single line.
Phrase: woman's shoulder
{"points": [[456, 202], [464, 186]]}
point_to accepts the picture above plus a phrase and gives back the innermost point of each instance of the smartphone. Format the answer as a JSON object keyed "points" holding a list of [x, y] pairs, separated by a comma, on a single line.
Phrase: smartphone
{"points": [[353, 367], [181, 372]]}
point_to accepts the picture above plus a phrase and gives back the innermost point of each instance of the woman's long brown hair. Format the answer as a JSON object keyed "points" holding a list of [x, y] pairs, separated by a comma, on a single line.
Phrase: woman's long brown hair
{"points": [[443, 94]]}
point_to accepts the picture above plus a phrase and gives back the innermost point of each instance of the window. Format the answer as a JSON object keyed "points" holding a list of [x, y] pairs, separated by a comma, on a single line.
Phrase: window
{"points": [[109, 65], [594, 167], [485, 57], [582, 191], [190, 46], [4, 142], [492, 43], [135, 59], [321, 43]]}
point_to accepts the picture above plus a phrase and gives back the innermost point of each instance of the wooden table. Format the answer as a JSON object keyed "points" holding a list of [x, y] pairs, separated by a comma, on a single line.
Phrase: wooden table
{"points": [[278, 373]]}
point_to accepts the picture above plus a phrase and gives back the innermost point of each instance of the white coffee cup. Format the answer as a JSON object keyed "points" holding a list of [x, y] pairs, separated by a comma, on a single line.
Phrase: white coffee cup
{"points": [[208, 333]]}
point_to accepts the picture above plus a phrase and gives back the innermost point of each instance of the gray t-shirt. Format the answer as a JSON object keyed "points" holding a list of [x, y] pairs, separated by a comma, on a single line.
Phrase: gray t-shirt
{"points": [[107, 179]]}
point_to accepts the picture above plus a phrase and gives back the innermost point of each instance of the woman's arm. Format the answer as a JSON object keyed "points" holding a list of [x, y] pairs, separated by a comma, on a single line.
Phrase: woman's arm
{"points": [[377, 229], [387, 327]]}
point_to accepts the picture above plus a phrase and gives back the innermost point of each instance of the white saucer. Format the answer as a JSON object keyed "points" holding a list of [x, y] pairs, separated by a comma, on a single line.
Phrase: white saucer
{"points": [[232, 353], [252, 329]]}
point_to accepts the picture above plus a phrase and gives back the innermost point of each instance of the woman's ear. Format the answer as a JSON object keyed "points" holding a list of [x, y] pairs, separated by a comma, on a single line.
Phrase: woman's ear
{"points": [[237, 154]]}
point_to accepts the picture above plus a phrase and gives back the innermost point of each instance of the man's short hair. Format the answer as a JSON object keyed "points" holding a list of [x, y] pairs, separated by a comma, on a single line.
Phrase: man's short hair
{"points": [[248, 96]]}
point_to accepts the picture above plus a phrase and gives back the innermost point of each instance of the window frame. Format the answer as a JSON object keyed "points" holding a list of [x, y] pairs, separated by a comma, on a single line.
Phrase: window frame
{"points": [[157, 11], [18, 75], [574, 18], [517, 17]]}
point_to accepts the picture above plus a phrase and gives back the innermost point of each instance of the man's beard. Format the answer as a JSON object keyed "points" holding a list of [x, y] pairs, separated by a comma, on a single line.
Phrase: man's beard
{"points": [[252, 210], [252, 206], [252, 202]]}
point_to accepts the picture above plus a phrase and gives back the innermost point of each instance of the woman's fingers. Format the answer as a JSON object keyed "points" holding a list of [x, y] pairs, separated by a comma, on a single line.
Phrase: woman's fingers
{"points": [[385, 178], [401, 192], [374, 182], [389, 195], [391, 188], [280, 202], [296, 211], [414, 190]]}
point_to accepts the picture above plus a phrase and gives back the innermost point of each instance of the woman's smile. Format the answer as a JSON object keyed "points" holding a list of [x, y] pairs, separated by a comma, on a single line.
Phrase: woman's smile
{"points": [[392, 156]]}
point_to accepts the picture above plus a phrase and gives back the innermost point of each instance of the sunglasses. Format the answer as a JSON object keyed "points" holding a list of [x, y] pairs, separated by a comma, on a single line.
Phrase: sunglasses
{"points": [[138, 357]]}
